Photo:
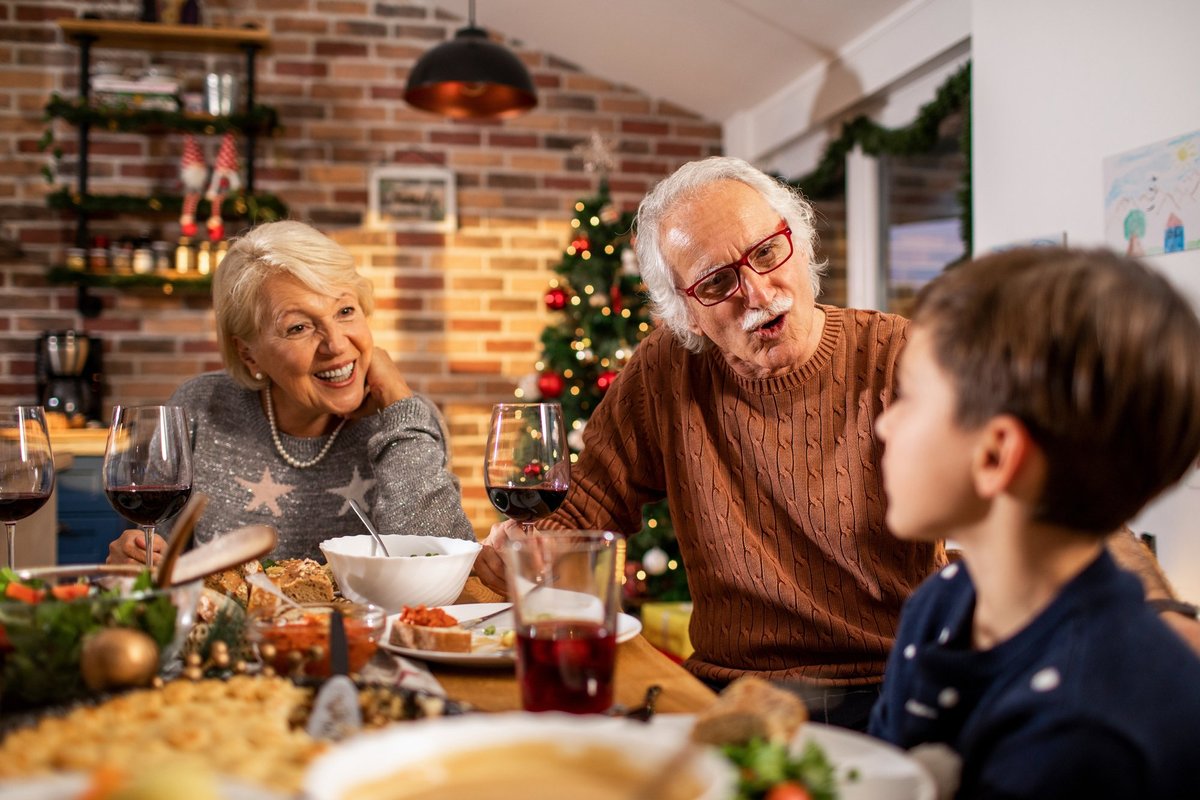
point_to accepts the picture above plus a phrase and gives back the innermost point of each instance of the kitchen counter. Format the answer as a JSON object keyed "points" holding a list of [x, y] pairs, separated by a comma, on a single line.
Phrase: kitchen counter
{"points": [[79, 441]]}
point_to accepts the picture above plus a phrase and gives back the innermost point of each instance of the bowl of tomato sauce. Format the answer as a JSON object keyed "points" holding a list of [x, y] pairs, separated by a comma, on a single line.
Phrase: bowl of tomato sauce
{"points": [[299, 637]]}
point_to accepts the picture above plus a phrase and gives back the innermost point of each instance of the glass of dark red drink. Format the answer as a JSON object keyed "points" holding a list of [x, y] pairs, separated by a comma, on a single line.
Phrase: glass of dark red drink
{"points": [[527, 465], [26, 468], [565, 605], [148, 466]]}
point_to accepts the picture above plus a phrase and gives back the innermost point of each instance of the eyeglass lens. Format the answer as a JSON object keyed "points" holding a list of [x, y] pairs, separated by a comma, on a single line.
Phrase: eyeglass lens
{"points": [[766, 256]]}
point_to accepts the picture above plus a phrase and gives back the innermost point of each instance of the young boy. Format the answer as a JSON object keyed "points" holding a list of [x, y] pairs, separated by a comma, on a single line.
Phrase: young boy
{"points": [[1045, 395]]}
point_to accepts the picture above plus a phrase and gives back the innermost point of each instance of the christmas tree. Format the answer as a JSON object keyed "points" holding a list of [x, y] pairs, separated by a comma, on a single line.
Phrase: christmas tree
{"points": [[602, 316]]}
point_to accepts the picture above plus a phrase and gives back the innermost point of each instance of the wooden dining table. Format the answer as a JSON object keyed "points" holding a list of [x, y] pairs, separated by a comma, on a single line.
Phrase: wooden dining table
{"points": [[639, 666]]}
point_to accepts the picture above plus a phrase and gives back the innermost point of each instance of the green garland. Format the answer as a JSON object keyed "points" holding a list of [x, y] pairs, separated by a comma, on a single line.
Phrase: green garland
{"points": [[201, 284], [828, 179], [255, 207]]}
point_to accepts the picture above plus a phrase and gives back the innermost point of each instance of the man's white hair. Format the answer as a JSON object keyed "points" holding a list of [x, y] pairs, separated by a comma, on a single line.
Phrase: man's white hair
{"points": [[667, 302]]}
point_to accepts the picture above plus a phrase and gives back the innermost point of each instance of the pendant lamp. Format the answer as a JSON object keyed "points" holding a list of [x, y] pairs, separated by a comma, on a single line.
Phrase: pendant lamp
{"points": [[470, 77]]}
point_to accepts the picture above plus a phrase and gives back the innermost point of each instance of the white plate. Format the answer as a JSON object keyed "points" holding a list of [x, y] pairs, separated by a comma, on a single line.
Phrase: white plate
{"points": [[627, 628], [72, 785], [393, 752], [884, 772]]}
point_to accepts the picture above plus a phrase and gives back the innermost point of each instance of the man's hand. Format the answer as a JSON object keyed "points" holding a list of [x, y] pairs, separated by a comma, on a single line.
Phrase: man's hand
{"points": [[489, 564], [130, 548]]}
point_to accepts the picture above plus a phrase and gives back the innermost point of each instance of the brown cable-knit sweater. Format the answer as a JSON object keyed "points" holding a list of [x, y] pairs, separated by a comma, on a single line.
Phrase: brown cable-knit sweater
{"points": [[776, 497]]}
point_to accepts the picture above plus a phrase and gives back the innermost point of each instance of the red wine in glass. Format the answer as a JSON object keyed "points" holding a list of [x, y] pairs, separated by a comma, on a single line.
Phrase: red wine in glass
{"points": [[148, 466], [527, 465], [148, 505], [564, 665], [26, 468], [524, 505]]}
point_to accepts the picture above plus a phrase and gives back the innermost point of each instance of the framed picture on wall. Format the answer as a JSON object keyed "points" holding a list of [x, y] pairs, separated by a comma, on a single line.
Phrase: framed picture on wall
{"points": [[406, 198]]}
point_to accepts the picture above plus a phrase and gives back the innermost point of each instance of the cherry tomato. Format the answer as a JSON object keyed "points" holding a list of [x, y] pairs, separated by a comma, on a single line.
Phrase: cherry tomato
{"points": [[788, 791]]}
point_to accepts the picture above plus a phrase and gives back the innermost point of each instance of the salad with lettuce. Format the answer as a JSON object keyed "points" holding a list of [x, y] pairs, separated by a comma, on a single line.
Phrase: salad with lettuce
{"points": [[43, 627]]}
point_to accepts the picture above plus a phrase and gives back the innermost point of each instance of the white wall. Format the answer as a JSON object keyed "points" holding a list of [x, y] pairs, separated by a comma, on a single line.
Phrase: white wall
{"points": [[787, 133], [1056, 87]]}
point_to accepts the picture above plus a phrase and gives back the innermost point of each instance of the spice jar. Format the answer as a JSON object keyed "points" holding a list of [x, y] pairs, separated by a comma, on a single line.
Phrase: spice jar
{"points": [[184, 256]]}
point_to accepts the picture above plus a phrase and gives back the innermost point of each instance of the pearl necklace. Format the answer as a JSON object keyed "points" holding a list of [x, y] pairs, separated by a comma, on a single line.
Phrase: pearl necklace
{"points": [[284, 454]]}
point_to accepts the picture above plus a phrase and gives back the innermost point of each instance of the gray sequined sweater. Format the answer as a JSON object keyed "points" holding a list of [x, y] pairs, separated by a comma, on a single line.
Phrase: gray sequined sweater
{"points": [[393, 463]]}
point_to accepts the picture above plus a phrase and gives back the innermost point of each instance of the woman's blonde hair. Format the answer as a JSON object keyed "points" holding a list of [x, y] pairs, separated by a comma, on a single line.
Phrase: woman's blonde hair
{"points": [[276, 248]]}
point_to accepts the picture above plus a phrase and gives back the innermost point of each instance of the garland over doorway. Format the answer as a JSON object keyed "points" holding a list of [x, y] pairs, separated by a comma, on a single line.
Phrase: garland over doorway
{"points": [[828, 179]]}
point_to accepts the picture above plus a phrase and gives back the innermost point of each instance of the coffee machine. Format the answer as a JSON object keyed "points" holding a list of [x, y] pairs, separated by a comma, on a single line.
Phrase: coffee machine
{"points": [[69, 375]]}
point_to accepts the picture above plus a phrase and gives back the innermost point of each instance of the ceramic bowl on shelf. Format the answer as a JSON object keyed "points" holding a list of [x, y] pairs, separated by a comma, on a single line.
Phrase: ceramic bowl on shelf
{"points": [[419, 570]]}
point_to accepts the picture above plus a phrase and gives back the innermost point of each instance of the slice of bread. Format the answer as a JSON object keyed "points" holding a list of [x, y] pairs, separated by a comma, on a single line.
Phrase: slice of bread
{"points": [[424, 637], [750, 708]]}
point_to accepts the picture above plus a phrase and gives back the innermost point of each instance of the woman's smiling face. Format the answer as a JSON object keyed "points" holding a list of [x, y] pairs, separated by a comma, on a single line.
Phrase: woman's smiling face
{"points": [[315, 350]]}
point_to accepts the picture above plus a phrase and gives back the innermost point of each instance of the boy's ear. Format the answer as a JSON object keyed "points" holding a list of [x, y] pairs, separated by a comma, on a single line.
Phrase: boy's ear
{"points": [[1005, 459]]}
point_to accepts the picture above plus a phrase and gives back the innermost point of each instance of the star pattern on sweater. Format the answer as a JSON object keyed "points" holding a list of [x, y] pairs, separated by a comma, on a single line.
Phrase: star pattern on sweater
{"points": [[265, 493], [356, 489]]}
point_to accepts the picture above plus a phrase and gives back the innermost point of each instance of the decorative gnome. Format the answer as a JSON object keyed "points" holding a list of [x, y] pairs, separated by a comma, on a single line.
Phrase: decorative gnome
{"points": [[193, 172], [224, 180]]}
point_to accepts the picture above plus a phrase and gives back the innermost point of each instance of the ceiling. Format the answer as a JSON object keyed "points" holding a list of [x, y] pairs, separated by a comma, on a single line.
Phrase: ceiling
{"points": [[713, 57]]}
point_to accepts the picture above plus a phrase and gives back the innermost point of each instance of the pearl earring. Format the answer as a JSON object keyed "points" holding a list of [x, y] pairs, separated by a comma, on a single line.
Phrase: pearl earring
{"points": [[258, 376]]}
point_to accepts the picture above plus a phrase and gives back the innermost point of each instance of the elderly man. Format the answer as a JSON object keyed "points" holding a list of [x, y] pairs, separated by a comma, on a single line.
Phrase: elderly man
{"points": [[751, 409]]}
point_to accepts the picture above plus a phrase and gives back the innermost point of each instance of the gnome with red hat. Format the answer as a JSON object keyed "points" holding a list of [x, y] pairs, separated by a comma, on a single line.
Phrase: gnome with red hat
{"points": [[193, 172], [224, 180]]}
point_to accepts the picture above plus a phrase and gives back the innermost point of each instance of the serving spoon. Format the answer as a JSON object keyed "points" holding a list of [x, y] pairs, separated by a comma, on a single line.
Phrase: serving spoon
{"points": [[225, 552], [366, 521], [181, 535]]}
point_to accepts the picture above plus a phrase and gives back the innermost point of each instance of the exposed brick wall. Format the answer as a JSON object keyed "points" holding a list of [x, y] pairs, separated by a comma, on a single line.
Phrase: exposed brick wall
{"points": [[461, 312]]}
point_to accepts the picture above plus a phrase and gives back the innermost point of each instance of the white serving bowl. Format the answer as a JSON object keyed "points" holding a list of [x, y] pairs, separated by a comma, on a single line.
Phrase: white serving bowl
{"points": [[408, 577], [424, 753]]}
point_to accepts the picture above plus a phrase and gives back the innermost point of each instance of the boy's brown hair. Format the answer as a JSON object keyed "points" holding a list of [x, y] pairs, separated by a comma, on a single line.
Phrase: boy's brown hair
{"points": [[1097, 355]]}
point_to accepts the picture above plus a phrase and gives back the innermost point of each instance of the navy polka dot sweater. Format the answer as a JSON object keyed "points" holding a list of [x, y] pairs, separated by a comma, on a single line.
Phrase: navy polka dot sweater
{"points": [[1096, 697]]}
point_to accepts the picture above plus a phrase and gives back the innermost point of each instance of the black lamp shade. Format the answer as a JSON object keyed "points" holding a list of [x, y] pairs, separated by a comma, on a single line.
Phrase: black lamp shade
{"points": [[470, 77]]}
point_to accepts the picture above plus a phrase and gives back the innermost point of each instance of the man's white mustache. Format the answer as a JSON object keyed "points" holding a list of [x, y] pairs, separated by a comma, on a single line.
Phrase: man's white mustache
{"points": [[755, 318]]}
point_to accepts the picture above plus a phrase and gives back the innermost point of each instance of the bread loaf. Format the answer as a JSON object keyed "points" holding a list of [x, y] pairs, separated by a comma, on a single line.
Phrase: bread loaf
{"points": [[750, 708], [424, 628]]}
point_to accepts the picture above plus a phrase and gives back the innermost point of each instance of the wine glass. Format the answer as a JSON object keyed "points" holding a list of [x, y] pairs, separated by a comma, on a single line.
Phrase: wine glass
{"points": [[527, 466], [148, 466], [26, 468]]}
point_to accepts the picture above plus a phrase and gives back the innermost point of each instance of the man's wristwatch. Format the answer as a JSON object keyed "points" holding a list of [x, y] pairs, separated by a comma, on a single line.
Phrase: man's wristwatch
{"points": [[1190, 610]]}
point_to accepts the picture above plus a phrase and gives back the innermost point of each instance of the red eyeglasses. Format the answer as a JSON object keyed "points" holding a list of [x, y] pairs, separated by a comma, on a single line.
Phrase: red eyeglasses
{"points": [[724, 282]]}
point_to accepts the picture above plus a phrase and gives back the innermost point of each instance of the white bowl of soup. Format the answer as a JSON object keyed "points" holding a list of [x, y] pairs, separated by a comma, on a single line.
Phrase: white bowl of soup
{"points": [[418, 570], [518, 756]]}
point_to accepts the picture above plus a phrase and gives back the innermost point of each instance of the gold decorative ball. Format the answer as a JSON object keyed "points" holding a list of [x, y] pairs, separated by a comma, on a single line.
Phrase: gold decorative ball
{"points": [[115, 658]]}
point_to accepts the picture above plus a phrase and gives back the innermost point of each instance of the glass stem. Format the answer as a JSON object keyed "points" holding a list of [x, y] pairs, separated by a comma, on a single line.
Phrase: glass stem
{"points": [[148, 533], [10, 528]]}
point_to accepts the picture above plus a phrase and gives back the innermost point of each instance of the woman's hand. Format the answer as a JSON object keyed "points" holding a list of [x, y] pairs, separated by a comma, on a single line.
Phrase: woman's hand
{"points": [[384, 384], [489, 564], [130, 548]]}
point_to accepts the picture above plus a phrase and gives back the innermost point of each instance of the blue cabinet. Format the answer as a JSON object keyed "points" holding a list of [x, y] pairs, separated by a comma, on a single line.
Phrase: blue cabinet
{"points": [[86, 521]]}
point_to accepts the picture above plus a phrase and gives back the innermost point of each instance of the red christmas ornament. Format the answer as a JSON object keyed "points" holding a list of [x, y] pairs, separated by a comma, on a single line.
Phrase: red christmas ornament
{"points": [[551, 384], [615, 298], [532, 470], [581, 244], [556, 299], [605, 380]]}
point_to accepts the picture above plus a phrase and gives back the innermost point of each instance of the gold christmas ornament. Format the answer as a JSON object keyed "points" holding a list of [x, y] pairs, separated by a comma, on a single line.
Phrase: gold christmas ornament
{"points": [[116, 658]]}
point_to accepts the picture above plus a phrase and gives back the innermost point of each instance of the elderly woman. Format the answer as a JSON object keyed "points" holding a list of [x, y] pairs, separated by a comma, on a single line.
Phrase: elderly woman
{"points": [[308, 414]]}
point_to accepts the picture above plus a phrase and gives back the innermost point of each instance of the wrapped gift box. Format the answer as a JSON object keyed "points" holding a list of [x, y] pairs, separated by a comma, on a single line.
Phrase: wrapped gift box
{"points": [[665, 625]]}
